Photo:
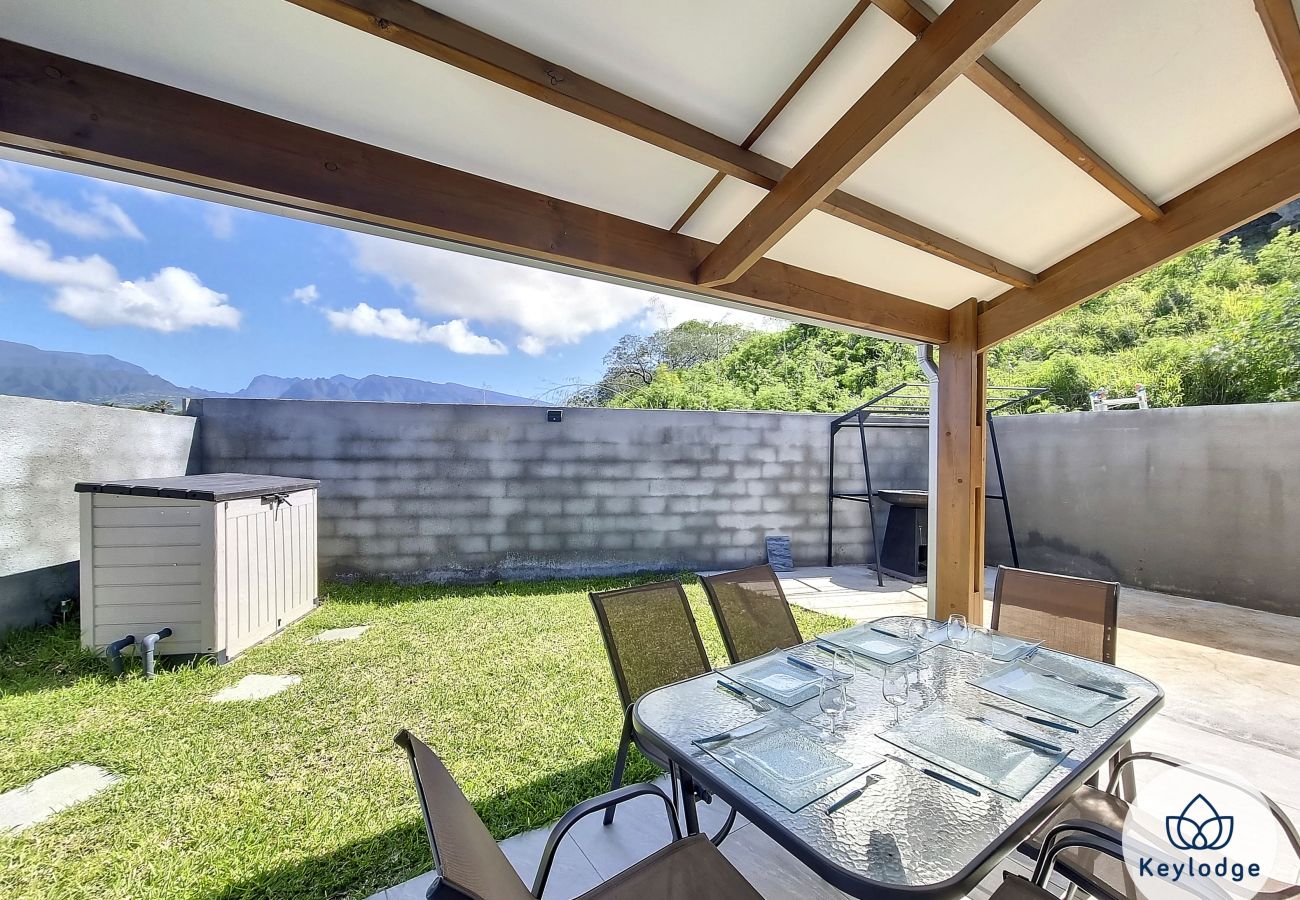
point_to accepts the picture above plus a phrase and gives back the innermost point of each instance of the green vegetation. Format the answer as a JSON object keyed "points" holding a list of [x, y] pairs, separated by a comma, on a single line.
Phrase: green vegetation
{"points": [[304, 795], [1215, 325]]}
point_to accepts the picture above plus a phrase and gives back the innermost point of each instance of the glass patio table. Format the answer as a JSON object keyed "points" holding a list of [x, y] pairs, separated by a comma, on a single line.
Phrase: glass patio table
{"points": [[909, 835]]}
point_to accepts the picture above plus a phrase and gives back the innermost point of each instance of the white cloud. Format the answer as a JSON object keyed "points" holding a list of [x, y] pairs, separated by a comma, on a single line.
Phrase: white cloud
{"points": [[395, 325], [220, 221], [306, 294], [548, 309], [90, 290], [170, 300], [101, 219], [667, 312]]}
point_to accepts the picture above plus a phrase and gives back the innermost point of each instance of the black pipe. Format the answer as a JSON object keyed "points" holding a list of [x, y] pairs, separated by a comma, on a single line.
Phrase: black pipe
{"points": [[147, 645], [114, 652]]}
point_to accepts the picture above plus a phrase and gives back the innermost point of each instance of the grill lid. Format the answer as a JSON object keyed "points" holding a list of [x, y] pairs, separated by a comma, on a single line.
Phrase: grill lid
{"points": [[220, 486]]}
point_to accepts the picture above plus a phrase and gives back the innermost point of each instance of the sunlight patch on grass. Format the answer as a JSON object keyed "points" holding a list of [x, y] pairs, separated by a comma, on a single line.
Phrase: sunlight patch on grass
{"points": [[303, 794]]}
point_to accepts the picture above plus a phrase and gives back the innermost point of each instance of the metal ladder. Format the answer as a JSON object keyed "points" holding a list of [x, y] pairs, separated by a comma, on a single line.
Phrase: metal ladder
{"points": [[907, 405]]}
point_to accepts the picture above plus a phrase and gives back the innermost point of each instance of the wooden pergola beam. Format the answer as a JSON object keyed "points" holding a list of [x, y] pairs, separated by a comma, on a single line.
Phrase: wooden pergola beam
{"points": [[55, 105], [418, 28], [957, 563], [1279, 18], [948, 47], [1263, 181], [915, 16]]}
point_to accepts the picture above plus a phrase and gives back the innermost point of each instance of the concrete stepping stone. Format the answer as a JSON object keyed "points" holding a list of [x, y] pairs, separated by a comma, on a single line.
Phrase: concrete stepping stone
{"points": [[23, 807], [340, 634], [255, 687]]}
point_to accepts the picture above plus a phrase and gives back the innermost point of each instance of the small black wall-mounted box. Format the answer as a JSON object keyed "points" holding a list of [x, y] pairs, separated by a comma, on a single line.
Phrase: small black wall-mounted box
{"points": [[555, 415]]}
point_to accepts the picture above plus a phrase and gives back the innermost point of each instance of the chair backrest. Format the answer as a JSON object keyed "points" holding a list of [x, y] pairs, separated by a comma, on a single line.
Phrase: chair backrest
{"points": [[752, 612], [650, 636], [1073, 615], [469, 864]]}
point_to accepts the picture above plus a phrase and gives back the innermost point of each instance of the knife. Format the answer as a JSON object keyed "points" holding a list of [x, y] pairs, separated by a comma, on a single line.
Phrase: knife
{"points": [[816, 670], [897, 637], [1087, 687], [1019, 735], [752, 701], [938, 776], [1061, 726]]}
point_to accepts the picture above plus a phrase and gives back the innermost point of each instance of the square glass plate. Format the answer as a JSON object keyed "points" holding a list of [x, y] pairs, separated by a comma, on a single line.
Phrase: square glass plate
{"points": [[860, 639], [977, 751], [775, 678], [778, 755], [1080, 671], [999, 647], [1025, 683]]}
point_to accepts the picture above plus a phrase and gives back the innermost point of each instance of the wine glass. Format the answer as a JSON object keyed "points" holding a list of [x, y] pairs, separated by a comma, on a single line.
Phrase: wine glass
{"points": [[958, 632], [894, 685], [916, 631], [844, 670], [832, 701], [981, 641]]}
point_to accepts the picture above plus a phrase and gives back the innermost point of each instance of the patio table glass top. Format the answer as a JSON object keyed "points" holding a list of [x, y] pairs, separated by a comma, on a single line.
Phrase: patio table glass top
{"points": [[909, 834]]}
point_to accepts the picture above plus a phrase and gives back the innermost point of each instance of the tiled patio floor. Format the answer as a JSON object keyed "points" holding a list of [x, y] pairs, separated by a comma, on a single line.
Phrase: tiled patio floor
{"points": [[1229, 677]]}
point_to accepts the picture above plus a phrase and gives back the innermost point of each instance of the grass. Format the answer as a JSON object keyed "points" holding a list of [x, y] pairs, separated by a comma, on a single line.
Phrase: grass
{"points": [[304, 795]]}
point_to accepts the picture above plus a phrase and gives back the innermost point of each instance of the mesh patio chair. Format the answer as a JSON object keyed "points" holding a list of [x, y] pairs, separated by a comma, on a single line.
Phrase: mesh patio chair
{"points": [[652, 640], [1104, 876], [1065, 837], [1073, 615], [752, 612], [468, 864]]}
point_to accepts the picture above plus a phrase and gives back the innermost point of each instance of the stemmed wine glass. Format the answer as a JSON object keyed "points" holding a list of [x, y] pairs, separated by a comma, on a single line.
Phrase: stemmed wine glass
{"points": [[894, 685], [843, 669], [832, 701], [916, 631], [958, 632]]}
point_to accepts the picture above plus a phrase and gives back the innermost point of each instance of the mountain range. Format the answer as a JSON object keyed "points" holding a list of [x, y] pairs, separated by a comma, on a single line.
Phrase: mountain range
{"points": [[28, 371]]}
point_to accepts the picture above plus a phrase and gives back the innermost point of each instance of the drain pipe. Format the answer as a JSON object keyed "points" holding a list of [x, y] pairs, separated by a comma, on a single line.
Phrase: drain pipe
{"points": [[925, 357], [114, 653], [147, 645]]}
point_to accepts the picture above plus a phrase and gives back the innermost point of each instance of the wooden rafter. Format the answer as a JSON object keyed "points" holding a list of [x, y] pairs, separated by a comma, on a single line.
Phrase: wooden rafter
{"points": [[55, 105], [1279, 18], [915, 16], [418, 28], [781, 103], [1262, 181], [944, 50]]}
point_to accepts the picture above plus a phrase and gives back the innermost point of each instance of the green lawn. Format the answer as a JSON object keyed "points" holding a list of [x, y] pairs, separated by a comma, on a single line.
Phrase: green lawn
{"points": [[304, 795]]}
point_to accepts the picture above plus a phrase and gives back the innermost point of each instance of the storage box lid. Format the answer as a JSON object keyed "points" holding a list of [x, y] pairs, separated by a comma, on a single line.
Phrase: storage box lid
{"points": [[221, 486]]}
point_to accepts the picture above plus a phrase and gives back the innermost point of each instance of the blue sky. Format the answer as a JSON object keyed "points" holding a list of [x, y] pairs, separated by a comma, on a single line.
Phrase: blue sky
{"points": [[209, 295]]}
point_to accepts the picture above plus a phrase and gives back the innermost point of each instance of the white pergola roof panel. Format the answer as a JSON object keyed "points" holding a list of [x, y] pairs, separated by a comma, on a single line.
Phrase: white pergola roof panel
{"points": [[969, 169], [860, 58], [824, 243], [1170, 92], [331, 77], [695, 60]]}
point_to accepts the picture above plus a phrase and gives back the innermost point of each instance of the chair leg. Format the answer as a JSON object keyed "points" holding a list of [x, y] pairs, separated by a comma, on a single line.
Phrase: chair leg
{"points": [[1127, 779], [620, 763]]}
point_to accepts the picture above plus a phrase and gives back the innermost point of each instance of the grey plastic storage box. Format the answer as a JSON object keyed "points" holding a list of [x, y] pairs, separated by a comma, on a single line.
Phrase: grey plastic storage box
{"points": [[224, 560]]}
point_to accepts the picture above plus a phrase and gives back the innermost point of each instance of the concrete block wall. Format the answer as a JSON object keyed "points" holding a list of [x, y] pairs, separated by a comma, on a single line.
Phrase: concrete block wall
{"points": [[1198, 501], [46, 447], [450, 493]]}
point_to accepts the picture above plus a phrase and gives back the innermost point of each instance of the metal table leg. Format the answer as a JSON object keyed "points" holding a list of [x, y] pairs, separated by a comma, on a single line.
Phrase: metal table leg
{"points": [[689, 812]]}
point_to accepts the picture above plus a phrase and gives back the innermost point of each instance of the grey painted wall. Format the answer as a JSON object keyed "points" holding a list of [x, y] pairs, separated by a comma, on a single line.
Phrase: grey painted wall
{"points": [[46, 447], [1200, 501], [478, 492]]}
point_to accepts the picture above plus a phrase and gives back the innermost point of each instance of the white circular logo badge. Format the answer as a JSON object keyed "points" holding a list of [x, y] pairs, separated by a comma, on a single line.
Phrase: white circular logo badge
{"points": [[1199, 831]]}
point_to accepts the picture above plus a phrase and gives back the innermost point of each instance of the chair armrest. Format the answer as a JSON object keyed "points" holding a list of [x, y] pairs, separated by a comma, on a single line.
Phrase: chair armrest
{"points": [[1118, 766], [1076, 833], [586, 808]]}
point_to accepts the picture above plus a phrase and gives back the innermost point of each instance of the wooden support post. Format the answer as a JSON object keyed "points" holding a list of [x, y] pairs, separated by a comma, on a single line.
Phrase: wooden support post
{"points": [[957, 562]]}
